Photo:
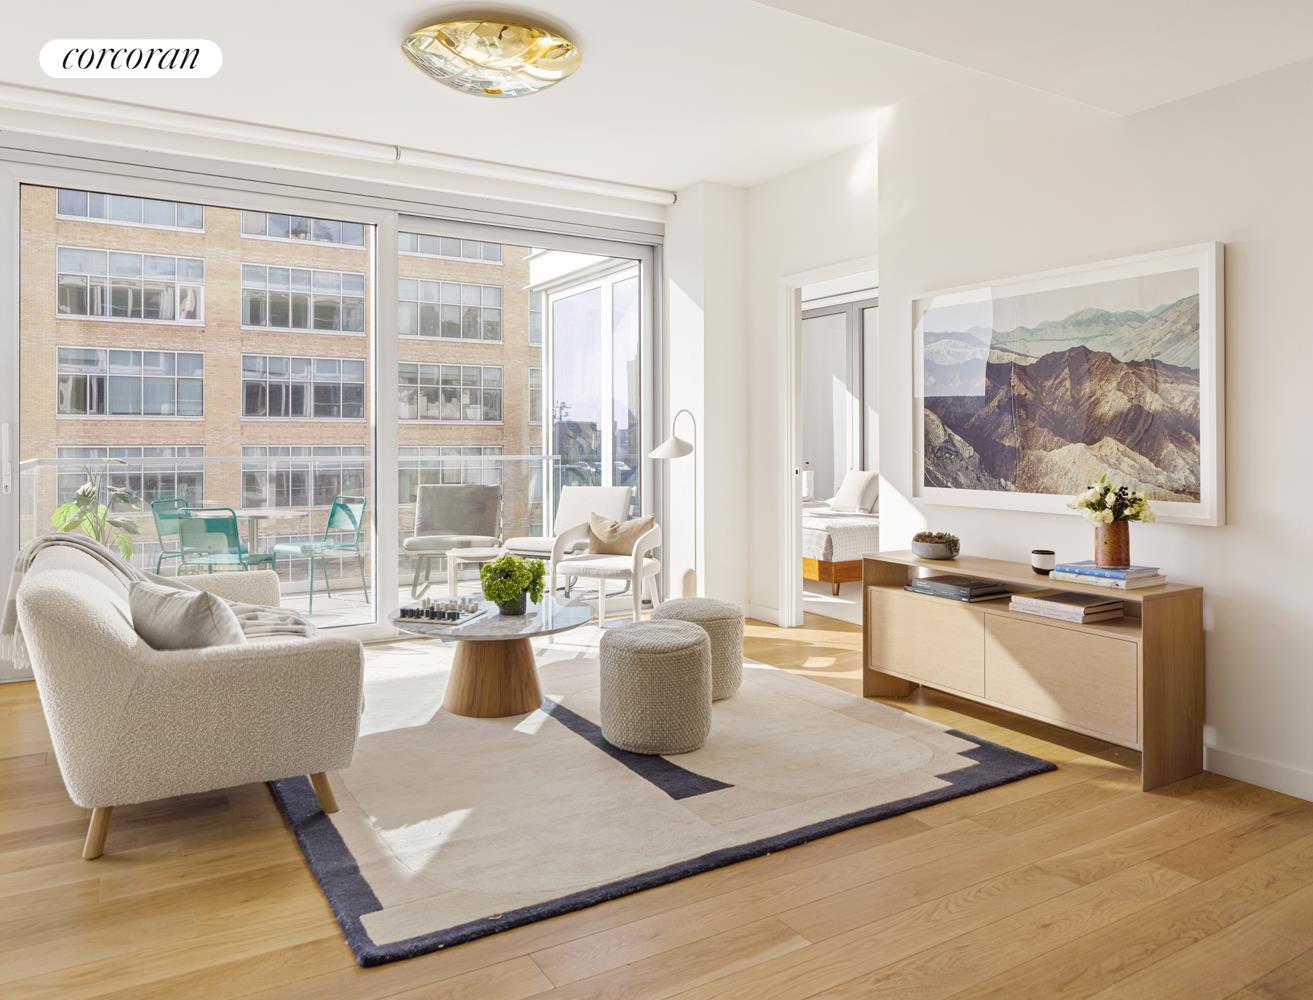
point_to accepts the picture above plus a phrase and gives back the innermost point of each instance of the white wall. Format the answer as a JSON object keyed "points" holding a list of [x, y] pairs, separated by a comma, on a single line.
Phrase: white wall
{"points": [[823, 214], [706, 340], [988, 180]]}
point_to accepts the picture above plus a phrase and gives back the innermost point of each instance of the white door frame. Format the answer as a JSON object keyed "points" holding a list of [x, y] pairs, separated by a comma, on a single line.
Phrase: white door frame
{"points": [[10, 498], [788, 479]]}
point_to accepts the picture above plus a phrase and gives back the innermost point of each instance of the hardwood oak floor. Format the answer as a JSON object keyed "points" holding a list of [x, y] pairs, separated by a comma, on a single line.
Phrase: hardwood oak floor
{"points": [[1070, 884]]}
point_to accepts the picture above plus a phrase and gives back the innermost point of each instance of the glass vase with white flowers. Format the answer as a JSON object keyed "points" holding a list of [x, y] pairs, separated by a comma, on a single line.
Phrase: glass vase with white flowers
{"points": [[1111, 507]]}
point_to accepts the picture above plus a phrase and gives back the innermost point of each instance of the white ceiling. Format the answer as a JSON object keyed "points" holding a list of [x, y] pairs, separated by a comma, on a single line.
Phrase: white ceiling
{"points": [[1123, 56], [669, 93]]}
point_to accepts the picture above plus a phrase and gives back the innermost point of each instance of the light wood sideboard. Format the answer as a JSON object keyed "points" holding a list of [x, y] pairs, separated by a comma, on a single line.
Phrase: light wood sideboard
{"points": [[1137, 681]]}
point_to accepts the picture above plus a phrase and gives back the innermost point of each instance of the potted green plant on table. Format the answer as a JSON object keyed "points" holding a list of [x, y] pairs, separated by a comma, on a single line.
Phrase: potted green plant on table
{"points": [[1111, 508], [85, 513], [511, 581]]}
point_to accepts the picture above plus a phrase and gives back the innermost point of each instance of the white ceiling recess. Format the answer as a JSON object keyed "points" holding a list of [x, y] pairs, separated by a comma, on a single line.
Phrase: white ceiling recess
{"points": [[1123, 56], [668, 95]]}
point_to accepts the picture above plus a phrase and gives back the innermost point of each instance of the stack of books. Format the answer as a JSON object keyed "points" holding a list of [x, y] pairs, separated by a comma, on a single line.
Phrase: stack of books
{"points": [[958, 588], [1080, 608], [1123, 578]]}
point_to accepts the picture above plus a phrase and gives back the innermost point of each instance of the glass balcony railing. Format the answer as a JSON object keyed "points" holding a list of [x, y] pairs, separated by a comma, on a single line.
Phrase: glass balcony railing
{"points": [[282, 499]]}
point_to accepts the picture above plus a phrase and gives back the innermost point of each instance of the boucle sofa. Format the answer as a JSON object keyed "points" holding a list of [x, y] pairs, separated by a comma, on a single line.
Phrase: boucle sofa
{"points": [[131, 724]]}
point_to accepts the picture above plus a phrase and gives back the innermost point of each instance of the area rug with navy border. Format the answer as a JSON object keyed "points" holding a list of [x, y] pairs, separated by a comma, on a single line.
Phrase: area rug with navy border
{"points": [[450, 828]]}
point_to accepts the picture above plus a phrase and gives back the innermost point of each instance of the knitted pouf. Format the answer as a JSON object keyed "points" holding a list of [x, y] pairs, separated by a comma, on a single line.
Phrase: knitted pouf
{"points": [[724, 625], [656, 687]]}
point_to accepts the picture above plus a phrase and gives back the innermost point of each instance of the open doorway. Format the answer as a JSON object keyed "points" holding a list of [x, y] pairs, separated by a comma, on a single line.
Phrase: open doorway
{"points": [[839, 441]]}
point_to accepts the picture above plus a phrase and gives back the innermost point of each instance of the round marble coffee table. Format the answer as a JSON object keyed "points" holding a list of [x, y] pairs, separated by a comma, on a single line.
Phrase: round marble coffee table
{"points": [[494, 673]]}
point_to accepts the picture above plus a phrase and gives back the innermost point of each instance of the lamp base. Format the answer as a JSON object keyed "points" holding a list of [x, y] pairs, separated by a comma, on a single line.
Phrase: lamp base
{"points": [[689, 585]]}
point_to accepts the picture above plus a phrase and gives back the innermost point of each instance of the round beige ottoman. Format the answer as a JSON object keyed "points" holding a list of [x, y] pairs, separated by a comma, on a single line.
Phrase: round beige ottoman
{"points": [[656, 687], [724, 625]]}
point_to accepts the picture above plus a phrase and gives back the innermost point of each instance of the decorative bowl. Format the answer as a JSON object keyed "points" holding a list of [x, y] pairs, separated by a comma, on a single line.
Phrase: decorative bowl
{"points": [[933, 550]]}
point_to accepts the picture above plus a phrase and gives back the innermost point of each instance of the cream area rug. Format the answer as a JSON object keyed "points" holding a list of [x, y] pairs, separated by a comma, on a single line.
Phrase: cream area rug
{"points": [[451, 829]]}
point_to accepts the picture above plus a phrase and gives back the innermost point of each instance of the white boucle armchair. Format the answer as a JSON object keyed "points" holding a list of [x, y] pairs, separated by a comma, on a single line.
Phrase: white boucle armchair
{"points": [[132, 724]]}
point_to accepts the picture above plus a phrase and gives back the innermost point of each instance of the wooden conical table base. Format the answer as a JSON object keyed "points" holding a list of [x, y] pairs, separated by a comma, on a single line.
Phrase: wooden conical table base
{"points": [[494, 674], [490, 680]]}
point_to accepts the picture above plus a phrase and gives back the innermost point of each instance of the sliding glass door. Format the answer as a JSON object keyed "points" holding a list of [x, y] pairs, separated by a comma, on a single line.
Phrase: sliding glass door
{"points": [[594, 334], [181, 351], [183, 360], [518, 372], [839, 428]]}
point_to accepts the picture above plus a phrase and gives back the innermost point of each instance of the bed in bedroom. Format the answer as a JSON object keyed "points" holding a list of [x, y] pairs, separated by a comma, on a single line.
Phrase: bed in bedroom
{"points": [[836, 533], [833, 544]]}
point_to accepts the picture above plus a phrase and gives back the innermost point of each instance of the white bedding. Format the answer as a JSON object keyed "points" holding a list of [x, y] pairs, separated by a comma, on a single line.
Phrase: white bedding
{"points": [[831, 536]]}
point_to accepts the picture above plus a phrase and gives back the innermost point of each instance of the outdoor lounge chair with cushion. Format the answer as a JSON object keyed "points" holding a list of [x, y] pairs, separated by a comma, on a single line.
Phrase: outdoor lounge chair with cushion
{"points": [[451, 516]]}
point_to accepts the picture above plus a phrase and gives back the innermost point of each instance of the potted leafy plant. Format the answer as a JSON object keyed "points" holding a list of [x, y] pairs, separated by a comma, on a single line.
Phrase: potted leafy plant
{"points": [[85, 513], [1111, 508], [508, 581], [935, 545]]}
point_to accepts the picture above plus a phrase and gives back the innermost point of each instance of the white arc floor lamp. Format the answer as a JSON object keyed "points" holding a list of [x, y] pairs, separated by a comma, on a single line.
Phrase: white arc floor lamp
{"points": [[677, 447]]}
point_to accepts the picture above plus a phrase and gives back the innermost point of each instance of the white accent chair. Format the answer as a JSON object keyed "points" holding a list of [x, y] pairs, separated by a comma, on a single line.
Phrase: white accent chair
{"points": [[133, 724], [573, 508], [638, 569]]}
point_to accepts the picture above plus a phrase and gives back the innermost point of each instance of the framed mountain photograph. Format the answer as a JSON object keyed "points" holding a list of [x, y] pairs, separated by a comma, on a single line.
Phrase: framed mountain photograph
{"points": [[1027, 390]]}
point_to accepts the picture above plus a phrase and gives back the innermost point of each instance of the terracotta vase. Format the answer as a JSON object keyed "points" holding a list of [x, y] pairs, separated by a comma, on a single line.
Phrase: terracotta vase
{"points": [[1112, 544]]}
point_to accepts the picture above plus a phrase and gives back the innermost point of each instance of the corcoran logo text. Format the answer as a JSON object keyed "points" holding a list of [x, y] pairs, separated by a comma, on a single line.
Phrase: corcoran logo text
{"points": [[123, 58]]}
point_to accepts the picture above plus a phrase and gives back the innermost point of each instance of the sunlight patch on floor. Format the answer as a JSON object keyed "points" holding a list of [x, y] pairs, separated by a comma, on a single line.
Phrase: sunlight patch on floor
{"points": [[432, 833]]}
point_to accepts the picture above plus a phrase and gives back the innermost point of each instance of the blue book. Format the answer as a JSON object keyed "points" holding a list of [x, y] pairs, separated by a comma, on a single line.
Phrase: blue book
{"points": [[1086, 567]]}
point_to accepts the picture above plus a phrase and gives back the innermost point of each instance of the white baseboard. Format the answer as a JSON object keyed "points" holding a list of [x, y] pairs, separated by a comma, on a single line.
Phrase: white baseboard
{"points": [[1259, 771], [762, 613]]}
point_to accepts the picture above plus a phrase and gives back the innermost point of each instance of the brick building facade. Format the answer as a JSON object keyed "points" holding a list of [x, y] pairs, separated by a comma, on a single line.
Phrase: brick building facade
{"points": [[279, 338]]}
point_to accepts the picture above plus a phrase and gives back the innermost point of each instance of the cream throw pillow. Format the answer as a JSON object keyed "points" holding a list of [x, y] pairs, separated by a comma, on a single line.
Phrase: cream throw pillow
{"points": [[616, 538], [182, 619], [858, 493]]}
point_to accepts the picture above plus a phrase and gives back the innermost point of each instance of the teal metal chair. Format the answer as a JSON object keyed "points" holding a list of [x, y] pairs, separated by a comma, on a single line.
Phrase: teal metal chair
{"points": [[167, 512], [346, 515], [210, 541]]}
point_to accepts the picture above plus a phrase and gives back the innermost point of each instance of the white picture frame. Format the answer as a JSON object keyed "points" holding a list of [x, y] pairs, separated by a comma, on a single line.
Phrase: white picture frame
{"points": [[1206, 260]]}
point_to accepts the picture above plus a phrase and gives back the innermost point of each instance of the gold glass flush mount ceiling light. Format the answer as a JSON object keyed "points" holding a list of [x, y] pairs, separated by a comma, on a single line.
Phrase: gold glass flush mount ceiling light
{"points": [[491, 57]]}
